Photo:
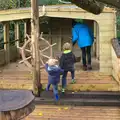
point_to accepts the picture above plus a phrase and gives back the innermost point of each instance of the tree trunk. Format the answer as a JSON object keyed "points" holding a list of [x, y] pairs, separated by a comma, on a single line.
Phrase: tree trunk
{"points": [[17, 114], [114, 3], [89, 5], [35, 48], [94, 6]]}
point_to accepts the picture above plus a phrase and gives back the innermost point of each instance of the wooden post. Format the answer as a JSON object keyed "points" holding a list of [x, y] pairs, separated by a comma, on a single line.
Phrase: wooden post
{"points": [[96, 28], [17, 35], [25, 29], [35, 42], [60, 40], [6, 40], [28, 27]]}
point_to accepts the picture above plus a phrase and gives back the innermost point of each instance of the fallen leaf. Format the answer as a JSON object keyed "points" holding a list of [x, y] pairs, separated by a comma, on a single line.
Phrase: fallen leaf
{"points": [[40, 114], [66, 108], [59, 109]]}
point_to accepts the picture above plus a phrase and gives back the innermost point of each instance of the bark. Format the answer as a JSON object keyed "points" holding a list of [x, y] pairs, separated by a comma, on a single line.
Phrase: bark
{"points": [[17, 114], [94, 6], [114, 3], [89, 5]]}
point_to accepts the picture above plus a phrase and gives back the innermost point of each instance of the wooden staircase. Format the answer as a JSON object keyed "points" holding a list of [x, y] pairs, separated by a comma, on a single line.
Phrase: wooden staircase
{"points": [[85, 81], [91, 91]]}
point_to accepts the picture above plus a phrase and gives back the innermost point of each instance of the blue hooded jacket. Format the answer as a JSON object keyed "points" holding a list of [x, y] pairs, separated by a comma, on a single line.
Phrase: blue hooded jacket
{"points": [[54, 73], [83, 35]]}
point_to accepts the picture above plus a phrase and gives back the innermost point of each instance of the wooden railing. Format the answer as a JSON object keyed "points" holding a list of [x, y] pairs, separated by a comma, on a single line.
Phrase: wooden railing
{"points": [[14, 53], [116, 59]]}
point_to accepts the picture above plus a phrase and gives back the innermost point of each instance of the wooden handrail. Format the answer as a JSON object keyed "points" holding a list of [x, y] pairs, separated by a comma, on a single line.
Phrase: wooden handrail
{"points": [[10, 41], [116, 46]]}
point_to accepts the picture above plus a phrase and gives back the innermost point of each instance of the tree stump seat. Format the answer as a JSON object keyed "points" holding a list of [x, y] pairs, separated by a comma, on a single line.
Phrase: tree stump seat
{"points": [[15, 104]]}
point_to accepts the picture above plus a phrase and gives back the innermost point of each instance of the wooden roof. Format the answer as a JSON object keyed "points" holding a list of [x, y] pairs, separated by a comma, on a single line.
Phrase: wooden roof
{"points": [[25, 13]]}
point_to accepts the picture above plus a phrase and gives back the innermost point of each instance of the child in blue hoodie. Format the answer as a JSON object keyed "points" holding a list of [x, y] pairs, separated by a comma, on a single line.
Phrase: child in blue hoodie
{"points": [[54, 72]]}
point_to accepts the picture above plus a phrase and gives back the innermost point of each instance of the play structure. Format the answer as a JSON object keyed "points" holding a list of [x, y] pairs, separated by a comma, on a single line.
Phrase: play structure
{"points": [[58, 34], [16, 104]]}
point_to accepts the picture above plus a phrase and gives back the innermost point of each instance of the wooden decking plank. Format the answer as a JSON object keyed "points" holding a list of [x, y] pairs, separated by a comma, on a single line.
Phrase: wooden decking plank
{"points": [[52, 112]]}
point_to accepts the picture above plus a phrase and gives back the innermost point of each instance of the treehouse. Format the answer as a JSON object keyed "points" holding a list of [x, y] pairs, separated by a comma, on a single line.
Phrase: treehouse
{"points": [[56, 23]]}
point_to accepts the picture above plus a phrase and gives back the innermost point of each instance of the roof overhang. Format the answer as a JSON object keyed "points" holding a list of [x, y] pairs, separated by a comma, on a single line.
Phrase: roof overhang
{"points": [[50, 11]]}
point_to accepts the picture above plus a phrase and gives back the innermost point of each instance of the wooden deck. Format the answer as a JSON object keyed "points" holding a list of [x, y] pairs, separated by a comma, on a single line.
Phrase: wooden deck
{"points": [[52, 112], [15, 76]]}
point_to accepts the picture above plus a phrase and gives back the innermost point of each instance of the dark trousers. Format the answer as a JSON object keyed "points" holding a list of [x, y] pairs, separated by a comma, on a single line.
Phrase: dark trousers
{"points": [[86, 51], [64, 82]]}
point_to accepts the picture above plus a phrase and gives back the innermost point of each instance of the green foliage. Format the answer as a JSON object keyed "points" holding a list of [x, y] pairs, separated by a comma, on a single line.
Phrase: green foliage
{"points": [[8, 4], [48, 2]]}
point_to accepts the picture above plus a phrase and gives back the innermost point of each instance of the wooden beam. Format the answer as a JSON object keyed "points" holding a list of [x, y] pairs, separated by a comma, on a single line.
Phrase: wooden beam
{"points": [[6, 39], [17, 35], [35, 47], [25, 29], [60, 40]]}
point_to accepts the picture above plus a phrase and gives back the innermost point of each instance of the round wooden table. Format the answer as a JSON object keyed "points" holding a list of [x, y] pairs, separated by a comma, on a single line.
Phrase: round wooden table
{"points": [[15, 104]]}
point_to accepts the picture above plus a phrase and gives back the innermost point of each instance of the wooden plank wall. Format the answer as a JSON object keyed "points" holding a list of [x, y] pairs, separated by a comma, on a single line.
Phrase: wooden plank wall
{"points": [[61, 33], [13, 55], [116, 65], [107, 32], [106, 25]]}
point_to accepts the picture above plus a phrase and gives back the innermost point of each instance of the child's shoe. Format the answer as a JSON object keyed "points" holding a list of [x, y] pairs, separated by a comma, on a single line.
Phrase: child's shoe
{"points": [[47, 89], [89, 67], [63, 90], [56, 97], [84, 67], [73, 81]]}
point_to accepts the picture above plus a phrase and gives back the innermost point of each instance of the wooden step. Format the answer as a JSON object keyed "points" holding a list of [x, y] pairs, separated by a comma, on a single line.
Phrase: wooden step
{"points": [[85, 81], [84, 94], [81, 99]]}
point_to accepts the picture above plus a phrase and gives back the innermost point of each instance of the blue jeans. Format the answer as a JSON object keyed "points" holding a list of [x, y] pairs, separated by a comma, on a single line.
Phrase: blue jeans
{"points": [[55, 88], [64, 81]]}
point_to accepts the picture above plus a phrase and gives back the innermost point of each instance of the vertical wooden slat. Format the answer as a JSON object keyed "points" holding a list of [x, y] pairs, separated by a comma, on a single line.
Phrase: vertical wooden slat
{"points": [[25, 29], [17, 35], [6, 40], [60, 40]]}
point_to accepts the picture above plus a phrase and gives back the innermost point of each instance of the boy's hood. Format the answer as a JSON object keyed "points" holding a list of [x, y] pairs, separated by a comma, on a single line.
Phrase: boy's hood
{"points": [[78, 25], [67, 51], [53, 68]]}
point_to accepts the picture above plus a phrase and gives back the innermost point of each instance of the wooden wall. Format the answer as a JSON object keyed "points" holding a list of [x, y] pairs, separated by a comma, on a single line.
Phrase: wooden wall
{"points": [[106, 33], [116, 65], [61, 32], [13, 55]]}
